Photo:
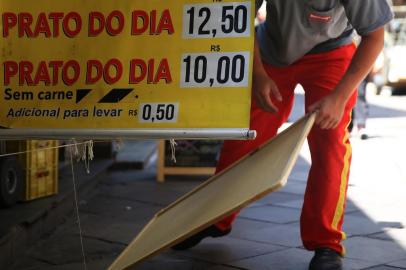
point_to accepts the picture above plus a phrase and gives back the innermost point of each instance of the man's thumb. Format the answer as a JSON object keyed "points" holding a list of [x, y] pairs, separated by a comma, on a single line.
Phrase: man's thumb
{"points": [[276, 93], [314, 107]]}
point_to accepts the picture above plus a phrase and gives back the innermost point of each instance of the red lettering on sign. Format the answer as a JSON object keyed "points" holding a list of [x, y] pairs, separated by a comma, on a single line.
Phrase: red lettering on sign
{"points": [[56, 18], [75, 68], [47, 25], [152, 22], [10, 70], [116, 64], [141, 70], [96, 70], [47, 73], [72, 17], [9, 20], [42, 74], [141, 21], [24, 24], [120, 23], [96, 23], [150, 72], [163, 72], [55, 66], [165, 24], [94, 65], [42, 25], [25, 69], [138, 71]]}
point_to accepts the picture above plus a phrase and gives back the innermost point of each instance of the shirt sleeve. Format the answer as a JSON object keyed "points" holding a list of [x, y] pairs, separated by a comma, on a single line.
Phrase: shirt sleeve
{"points": [[367, 15], [258, 4]]}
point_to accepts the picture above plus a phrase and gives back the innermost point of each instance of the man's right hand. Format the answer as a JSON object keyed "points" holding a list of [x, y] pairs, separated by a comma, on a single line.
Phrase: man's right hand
{"points": [[264, 88]]}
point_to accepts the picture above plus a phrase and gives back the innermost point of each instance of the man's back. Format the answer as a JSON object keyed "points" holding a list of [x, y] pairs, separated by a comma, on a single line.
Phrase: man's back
{"points": [[294, 28]]}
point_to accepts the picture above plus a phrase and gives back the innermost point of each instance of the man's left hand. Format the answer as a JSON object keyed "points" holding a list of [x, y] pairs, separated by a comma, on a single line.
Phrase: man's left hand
{"points": [[330, 111]]}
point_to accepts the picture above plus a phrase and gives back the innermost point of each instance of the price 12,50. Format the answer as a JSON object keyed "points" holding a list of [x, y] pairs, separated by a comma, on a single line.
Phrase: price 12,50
{"points": [[217, 20], [215, 70]]}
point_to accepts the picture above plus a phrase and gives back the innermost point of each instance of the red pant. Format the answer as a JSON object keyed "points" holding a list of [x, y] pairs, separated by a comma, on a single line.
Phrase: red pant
{"points": [[322, 213]]}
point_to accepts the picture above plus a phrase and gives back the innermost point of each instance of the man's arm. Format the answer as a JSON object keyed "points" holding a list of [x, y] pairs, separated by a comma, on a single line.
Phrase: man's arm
{"points": [[263, 87], [331, 108]]}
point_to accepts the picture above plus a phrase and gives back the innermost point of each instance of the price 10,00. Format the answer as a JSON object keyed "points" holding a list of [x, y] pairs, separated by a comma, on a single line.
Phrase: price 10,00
{"points": [[215, 70]]}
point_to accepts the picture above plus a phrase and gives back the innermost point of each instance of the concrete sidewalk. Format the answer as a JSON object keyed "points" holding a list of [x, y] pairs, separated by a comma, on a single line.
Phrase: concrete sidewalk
{"points": [[266, 234]]}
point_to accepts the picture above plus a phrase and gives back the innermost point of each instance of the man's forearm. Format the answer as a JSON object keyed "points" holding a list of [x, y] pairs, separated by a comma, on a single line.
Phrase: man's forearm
{"points": [[258, 68], [362, 62]]}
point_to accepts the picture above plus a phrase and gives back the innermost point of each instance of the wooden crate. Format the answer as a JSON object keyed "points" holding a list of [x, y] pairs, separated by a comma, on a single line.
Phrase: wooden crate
{"points": [[182, 167], [41, 168]]}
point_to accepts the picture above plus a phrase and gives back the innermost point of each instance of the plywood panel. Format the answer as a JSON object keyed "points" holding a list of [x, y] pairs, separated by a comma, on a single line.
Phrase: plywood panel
{"points": [[252, 177]]}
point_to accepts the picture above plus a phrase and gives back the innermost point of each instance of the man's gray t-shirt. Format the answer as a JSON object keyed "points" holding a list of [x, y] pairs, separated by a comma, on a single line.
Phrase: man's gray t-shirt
{"points": [[294, 28]]}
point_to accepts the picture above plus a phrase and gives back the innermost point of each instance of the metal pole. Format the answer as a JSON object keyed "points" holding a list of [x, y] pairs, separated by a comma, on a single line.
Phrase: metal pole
{"points": [[108, 134]]}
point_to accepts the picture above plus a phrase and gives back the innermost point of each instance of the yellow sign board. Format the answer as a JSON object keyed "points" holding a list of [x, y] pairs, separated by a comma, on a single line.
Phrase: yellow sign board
{"points": [[126, 64]]}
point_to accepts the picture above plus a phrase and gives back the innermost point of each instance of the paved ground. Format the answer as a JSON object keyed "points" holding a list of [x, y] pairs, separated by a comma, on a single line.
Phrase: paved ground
{"points": [[266, 234]]}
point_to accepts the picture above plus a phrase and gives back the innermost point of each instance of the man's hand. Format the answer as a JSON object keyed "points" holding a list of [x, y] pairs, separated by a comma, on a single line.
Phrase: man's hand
{"points": [[330, 110], [264, 88]]}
